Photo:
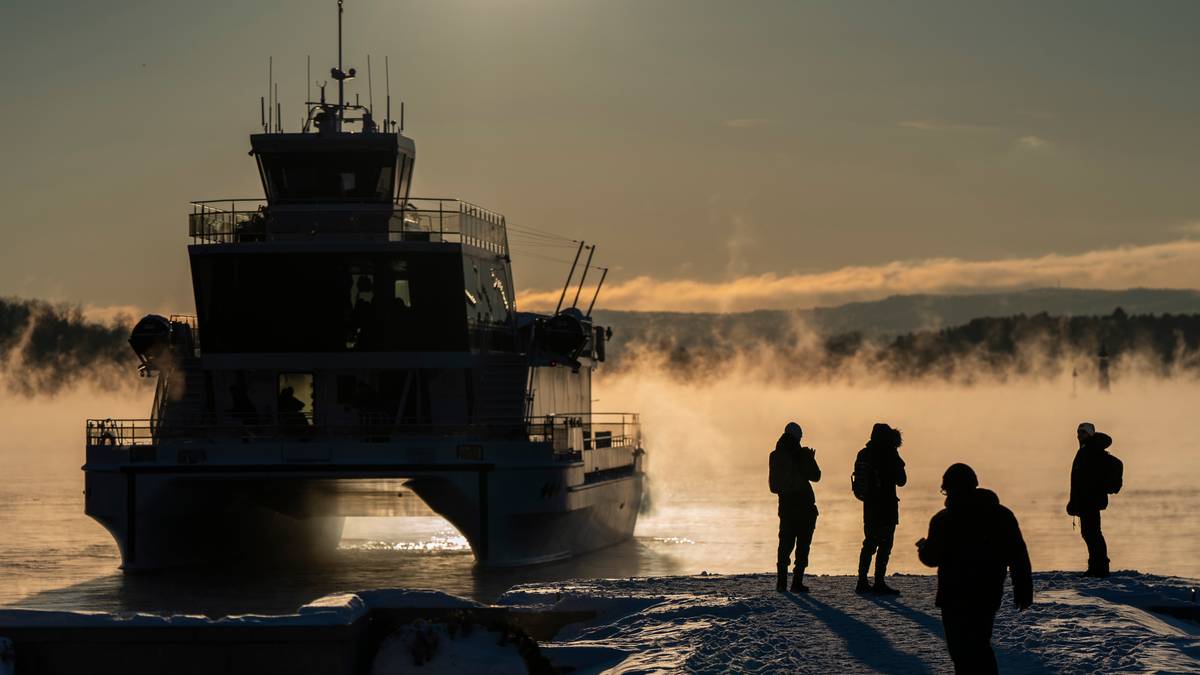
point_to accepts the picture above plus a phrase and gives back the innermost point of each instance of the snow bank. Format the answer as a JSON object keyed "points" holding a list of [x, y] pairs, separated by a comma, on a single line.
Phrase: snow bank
{"points": [[739, 623], [332, 610], [434, 649]]}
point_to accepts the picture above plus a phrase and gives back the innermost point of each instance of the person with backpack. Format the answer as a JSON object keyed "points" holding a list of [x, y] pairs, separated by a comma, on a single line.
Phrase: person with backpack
{"points": [[1095, 474], [792, 466], [974, 543], [878, 471]]}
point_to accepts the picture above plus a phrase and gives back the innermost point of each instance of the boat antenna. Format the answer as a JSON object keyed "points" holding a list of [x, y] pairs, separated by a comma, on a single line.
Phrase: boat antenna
{"points": [[278, 111], [387, 89], [569, 275], [370, 88], [262, 112], [307, 79], [341, 79], [586, 266], [603, 276], [270, 96]]}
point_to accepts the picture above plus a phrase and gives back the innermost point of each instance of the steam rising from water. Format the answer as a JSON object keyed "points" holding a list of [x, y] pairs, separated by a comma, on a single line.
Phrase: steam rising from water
{"points": [[47, 348], [708, 439]]}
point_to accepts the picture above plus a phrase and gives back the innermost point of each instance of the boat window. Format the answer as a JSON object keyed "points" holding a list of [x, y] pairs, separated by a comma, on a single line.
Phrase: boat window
{"points": [[324, 176], [362, 324], [402, 297], [384, 185], [405, 174], [295, 400], [331, 302]]}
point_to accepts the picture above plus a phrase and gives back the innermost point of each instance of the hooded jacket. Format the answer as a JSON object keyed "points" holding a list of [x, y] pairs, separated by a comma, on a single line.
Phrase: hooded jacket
{"points": [[791, 469], [974, 543], [882, 505], [1089, 473]]}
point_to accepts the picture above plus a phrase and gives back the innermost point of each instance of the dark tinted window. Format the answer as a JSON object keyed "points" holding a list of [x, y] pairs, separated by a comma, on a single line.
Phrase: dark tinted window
{"points": [[329, 176], [330, 303]]}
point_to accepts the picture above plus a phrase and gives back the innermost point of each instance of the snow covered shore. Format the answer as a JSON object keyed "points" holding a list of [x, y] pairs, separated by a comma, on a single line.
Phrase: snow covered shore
{"points": [[739, 624], [706, 623]]}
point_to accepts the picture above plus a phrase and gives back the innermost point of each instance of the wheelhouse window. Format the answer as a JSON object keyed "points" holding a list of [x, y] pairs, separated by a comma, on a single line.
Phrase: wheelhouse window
{"points": [[330, 302], [328, 176]]}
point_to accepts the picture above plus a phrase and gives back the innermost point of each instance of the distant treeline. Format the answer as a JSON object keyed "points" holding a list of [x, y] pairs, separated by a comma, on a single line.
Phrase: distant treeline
{"points": [[45, 347], [1040, 345]]}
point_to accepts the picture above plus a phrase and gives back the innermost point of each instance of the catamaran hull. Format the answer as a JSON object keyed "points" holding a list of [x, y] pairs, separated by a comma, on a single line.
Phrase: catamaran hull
{"points": [[188, 518]]}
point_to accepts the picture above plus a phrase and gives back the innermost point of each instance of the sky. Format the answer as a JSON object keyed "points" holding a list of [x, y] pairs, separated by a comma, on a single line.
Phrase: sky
{"points": [[798, 149]]}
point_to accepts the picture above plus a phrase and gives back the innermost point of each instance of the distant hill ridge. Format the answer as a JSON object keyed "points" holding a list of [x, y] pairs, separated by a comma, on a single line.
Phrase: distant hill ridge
{"points": [[1036, 332], [900, 314]]}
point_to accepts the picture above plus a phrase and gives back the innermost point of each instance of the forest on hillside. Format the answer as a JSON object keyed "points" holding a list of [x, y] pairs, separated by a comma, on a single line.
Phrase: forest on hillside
{"points": [[1039, 345], [46, 347]]}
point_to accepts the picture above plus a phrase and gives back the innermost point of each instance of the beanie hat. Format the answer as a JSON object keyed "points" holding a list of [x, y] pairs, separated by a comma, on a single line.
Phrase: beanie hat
{"points": [[958, 478], [792, 429]]}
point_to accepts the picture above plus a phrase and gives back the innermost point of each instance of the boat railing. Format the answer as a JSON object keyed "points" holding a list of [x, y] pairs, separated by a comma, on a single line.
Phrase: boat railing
{"points": [[193, 327], [434, 219], [567, 433]]}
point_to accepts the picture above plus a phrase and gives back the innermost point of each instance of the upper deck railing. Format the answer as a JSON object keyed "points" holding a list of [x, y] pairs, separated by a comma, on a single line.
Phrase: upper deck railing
{"points": [[571, 433], [232, 221]]}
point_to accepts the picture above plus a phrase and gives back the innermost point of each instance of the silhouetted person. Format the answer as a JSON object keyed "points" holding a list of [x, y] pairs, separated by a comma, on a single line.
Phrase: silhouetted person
{"points": [[974, 543], [878, 471], [1094, 474], [792, 467], [291, 410]]}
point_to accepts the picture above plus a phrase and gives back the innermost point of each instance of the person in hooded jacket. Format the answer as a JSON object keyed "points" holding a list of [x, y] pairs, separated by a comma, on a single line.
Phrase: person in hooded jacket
{"points": [[974, 543], [881, 506], [1089, 494], [792, 466]]}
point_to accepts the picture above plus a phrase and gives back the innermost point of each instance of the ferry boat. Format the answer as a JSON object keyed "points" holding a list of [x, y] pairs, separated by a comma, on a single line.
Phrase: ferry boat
{"points": [[353, 345]]}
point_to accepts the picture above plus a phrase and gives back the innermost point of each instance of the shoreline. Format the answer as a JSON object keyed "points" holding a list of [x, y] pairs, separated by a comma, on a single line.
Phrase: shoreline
{"points": [[707, 622]]}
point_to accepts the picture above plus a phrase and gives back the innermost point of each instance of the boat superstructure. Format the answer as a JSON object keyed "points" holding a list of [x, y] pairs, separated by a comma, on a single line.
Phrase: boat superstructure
{"points": [[353, 344]]}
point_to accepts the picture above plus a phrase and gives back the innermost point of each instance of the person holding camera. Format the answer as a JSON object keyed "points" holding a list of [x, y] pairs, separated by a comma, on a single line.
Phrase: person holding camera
{"points": [[792, 467]]}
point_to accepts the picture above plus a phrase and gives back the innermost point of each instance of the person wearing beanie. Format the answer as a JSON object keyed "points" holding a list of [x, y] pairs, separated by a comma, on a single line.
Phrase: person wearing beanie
{"points": [[974, 543], [878, 471], [1093, 473], [792, 466]]}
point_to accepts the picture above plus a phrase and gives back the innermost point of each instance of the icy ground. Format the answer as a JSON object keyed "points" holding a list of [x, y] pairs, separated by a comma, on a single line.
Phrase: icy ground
{"points": [[740, 624]]}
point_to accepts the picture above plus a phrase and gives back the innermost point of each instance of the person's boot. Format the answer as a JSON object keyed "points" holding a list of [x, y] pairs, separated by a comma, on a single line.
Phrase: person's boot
{"points": [[781, 578], [881, 587], [798, 582], [864, 563]]}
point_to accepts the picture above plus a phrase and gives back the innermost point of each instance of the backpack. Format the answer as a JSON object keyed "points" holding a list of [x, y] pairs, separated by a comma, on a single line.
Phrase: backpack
{"points": [[774, 477], [1114, 473], [865, 477]]}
